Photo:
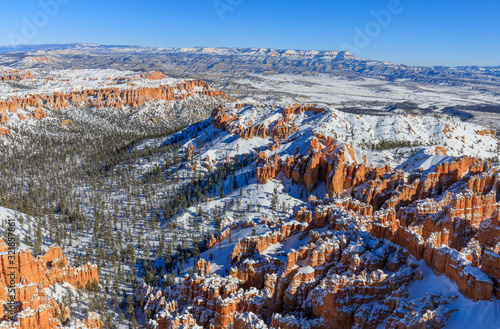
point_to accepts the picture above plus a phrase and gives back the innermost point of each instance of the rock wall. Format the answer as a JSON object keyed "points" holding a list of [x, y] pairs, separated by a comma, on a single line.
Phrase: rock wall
{"points": [[34, 309], [225, 118], [107, 97], [153, 75]]}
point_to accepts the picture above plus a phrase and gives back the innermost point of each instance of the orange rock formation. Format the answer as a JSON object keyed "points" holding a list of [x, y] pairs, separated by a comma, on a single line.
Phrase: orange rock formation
{"points": [[153, 75], [108, 97], [29, 277], [354, 251]]}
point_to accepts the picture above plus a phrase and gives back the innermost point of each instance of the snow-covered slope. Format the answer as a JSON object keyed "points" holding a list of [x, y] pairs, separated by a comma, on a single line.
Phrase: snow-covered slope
{"points": [[357, 225], [46, 289], [387, 139]]}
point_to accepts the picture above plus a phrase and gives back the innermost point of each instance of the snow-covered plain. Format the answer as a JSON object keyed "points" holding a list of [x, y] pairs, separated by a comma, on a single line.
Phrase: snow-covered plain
{"points": [[360, 91]]}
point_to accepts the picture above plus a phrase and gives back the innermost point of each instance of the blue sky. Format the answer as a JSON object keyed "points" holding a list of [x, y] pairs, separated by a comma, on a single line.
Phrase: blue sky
{"points": [[415, 32]]}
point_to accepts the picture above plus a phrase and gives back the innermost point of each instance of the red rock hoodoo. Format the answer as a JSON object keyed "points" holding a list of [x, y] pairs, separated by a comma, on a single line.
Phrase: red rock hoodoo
{"points": [[34, 309], [344, 261], [108, 97]]}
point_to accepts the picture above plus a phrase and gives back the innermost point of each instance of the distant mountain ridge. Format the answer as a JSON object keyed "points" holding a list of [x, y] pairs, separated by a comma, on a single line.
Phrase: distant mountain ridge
{"points": [[222, 51], [196, 50], [203, 62]]}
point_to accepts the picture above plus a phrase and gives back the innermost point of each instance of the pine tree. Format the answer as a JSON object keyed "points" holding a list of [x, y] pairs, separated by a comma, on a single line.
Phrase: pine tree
{"points": [[134, 324], [130, 309], [275, 199]]}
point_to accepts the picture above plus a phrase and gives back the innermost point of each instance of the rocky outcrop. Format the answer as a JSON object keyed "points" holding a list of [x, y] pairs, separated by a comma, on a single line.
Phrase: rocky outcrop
{"points": [[47, 314], [296, 109], [93, 321], [39, 113], [326, 161], [153, 75], [226, 119], [43, 59], [110, 97], [397, 207], [29, 276], [312, 281], [248, 246], [203, 267], [451, 231], [248, 320], [466, 209], [47, 270], [471, 281], [213, 240], [15, 75], [487, 132]]}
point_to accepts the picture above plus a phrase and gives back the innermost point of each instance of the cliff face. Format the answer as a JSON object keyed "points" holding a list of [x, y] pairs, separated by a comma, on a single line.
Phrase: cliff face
{"points": [[33, 308], [104, 97], [153, 75], [439, 230], [351, 279], [225, 118], [324, 162], [110, 97]]}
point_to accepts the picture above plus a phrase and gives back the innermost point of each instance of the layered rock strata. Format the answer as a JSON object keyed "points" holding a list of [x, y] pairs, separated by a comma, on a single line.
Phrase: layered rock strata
{"points": [[23, 279], [106, 97]]}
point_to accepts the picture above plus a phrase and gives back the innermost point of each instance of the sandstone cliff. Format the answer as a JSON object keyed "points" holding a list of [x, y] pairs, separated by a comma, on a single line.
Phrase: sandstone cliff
{"points": [[33, 308], [104, 98]]}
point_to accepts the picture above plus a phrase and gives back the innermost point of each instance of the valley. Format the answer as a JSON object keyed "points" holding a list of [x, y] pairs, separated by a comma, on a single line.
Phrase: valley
{"points": [[311, 195]]}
